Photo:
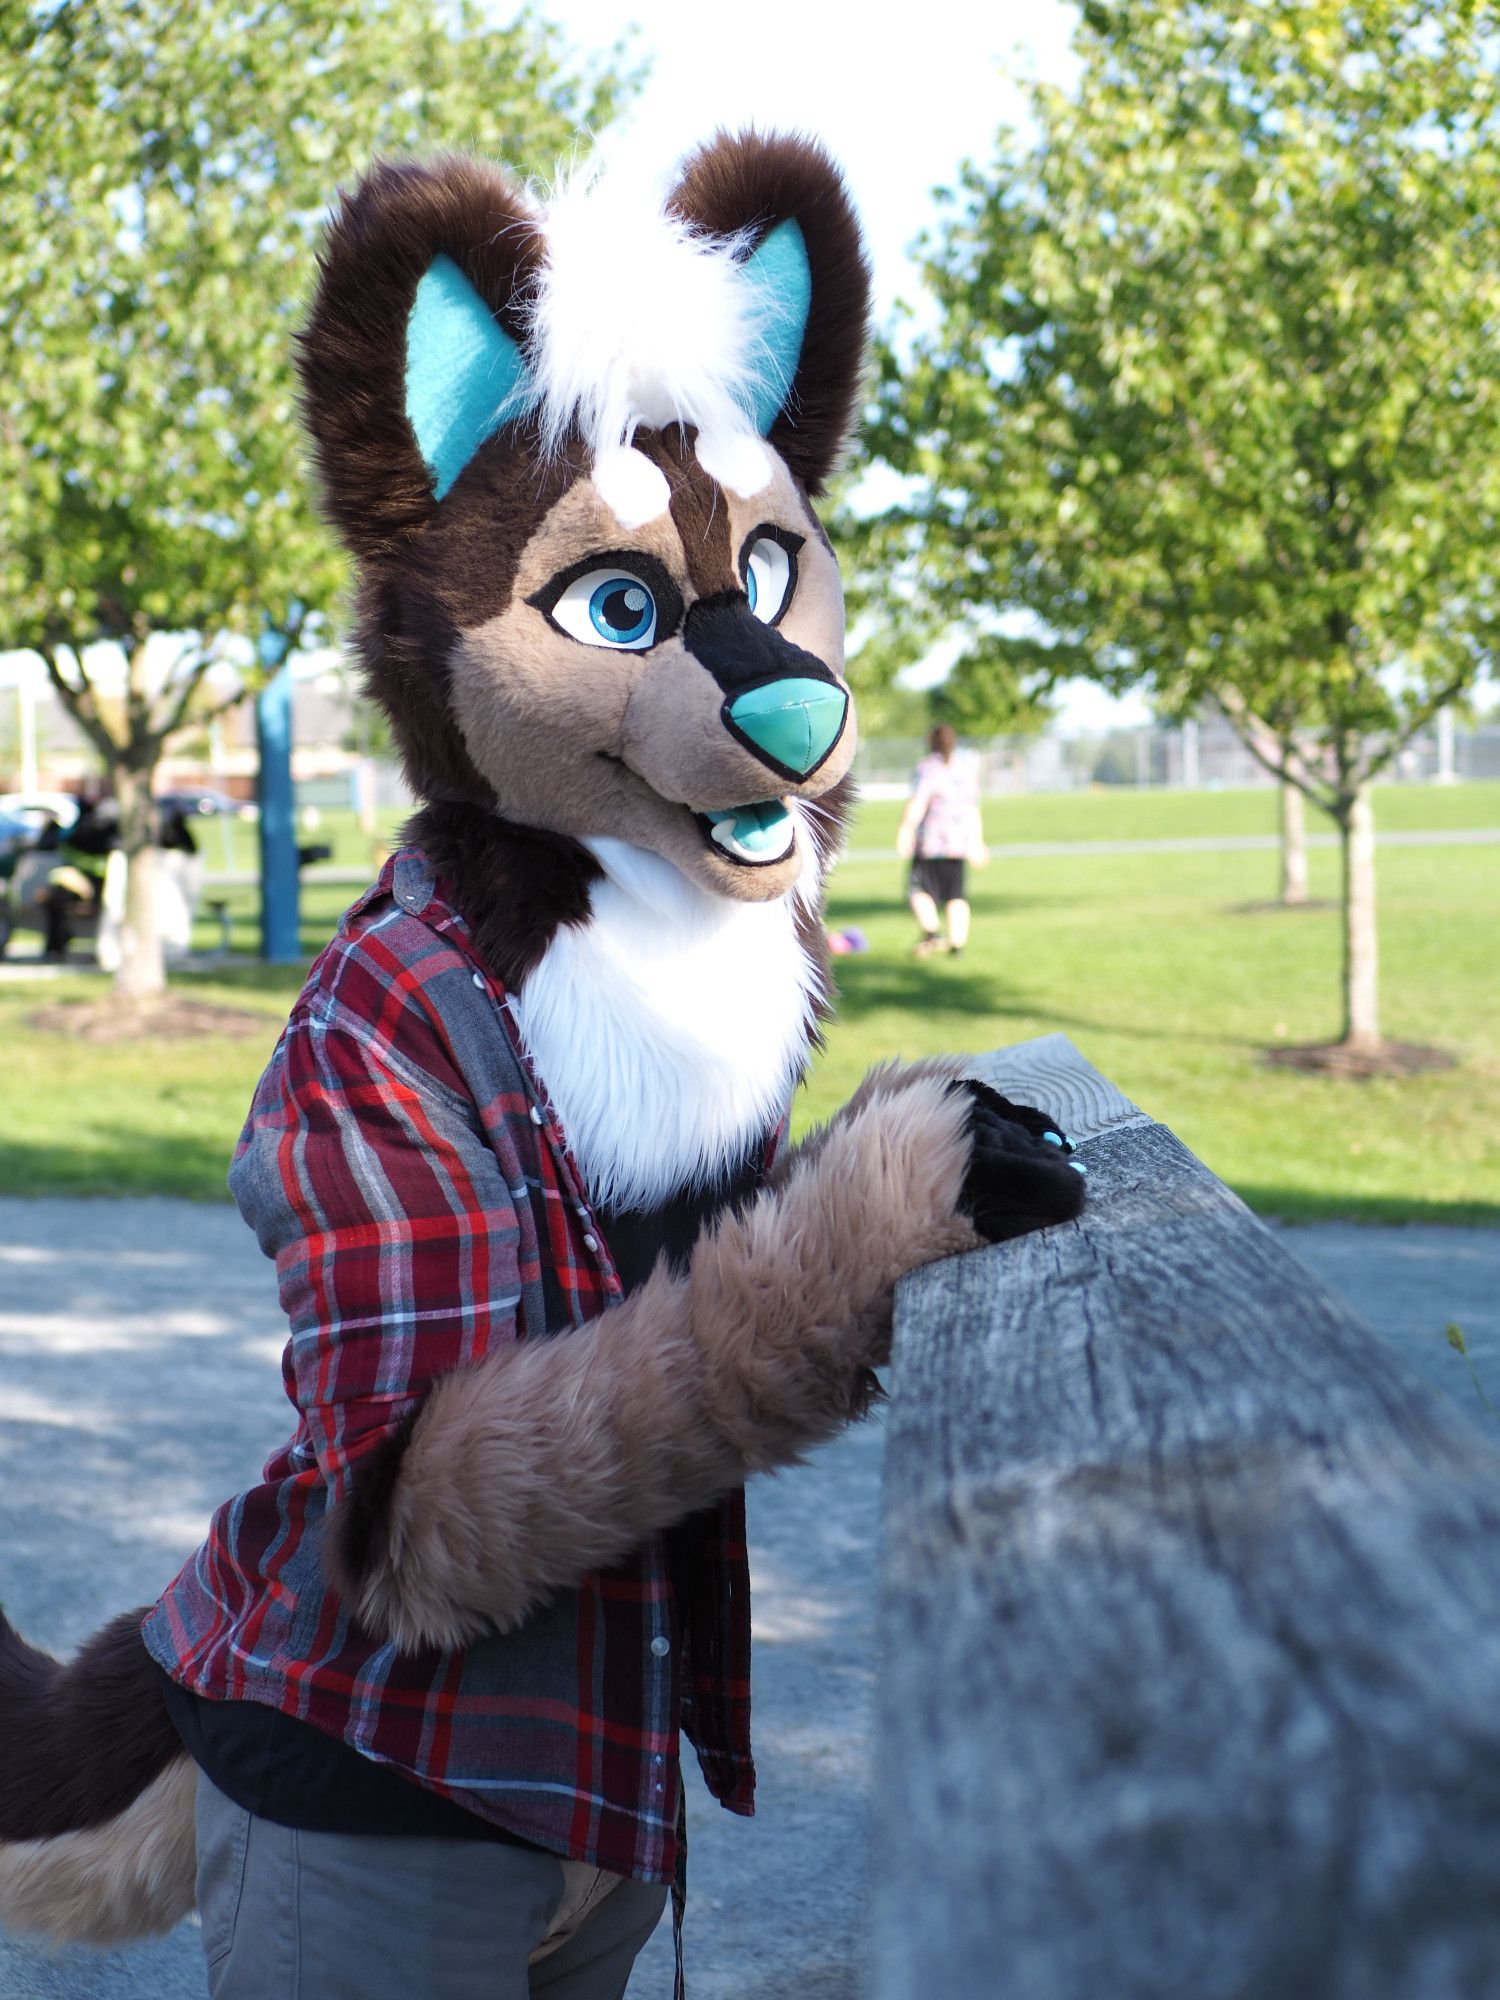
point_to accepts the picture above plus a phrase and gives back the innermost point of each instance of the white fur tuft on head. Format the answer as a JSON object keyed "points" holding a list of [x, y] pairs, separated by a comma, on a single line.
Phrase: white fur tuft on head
{"points": [[640, 320], [634, 490], [740, 462]]}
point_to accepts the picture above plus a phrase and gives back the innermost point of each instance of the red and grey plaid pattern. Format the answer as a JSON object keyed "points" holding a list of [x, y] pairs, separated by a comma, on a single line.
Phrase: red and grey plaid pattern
{"points": [[410, 1187]]}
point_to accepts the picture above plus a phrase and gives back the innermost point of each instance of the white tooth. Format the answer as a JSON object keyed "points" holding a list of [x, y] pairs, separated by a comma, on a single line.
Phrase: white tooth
{"points": [[724, 835]]}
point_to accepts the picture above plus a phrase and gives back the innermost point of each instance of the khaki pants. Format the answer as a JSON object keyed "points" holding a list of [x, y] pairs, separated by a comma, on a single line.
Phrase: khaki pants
{"points": [[289, 1915]]}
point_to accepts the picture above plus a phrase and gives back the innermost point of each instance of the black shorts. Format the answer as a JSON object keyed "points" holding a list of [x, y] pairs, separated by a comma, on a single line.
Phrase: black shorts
{"points": [[940, 875]]}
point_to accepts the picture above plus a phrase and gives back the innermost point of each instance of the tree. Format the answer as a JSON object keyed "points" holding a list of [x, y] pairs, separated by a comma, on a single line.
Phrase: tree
{"points": [[895, 623], [164, 170], [1293, 889], [1214, 389]]}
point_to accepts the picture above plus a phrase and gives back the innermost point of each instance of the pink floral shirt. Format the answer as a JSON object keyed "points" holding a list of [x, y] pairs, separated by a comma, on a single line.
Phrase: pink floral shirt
{"points": [[947, 796]]}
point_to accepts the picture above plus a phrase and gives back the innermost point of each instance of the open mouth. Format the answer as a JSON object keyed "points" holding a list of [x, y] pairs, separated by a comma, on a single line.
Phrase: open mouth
{"points": [[755, 836]]}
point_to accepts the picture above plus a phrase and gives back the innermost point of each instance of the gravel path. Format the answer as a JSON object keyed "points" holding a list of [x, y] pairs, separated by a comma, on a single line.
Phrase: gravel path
{"points": [[139, 1384]]}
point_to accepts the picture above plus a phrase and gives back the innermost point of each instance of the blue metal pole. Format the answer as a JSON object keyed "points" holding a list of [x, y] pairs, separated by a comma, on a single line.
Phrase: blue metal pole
{"points": [[280, 930]]}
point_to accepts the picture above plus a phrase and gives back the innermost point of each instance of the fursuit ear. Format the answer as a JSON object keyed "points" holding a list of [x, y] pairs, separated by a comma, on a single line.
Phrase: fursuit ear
{"points": [[809, 273], [412, 355]]}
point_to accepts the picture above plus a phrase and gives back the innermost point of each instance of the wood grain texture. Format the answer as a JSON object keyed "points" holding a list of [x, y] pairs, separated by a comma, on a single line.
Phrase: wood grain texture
{"points": [[1050, 1073], [1191, 1682]]}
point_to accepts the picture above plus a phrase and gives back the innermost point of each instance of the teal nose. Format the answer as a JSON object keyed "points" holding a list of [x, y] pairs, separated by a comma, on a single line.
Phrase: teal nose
{"points": [[792, 724]]}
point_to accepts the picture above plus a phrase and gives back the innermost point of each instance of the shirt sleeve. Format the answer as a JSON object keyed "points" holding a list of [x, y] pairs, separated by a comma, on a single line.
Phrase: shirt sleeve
{"points": [[366, 1175]]}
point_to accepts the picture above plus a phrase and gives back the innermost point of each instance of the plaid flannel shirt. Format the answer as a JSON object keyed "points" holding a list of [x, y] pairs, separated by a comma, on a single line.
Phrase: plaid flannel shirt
{"points": [[415, 1200]]}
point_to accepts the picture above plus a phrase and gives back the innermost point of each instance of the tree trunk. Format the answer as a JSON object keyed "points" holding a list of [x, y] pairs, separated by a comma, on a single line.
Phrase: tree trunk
{"points": [[1361, 1008], [1293, 846], [142, 974]]}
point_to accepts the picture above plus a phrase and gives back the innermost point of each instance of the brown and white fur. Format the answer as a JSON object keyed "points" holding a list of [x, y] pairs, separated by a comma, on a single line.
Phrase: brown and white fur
{"points": [[602, 818]]}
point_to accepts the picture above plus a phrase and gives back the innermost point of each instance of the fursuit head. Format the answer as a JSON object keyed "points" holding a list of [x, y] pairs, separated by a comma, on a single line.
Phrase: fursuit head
{"points": [[571, 445]]}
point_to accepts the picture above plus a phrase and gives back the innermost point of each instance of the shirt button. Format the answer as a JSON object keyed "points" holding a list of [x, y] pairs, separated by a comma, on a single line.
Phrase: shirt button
{"points": [[661, 1646], [592, 1243], [536, 1114]]}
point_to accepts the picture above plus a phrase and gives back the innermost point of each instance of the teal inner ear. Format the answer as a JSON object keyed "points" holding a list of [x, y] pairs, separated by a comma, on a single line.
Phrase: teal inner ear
{"points": [[464, 373], [782, 279]]}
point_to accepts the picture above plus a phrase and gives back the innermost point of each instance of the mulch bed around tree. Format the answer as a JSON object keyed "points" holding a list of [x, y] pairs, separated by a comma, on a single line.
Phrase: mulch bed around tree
{"points": [[172, 1018], [1334, 1059]]}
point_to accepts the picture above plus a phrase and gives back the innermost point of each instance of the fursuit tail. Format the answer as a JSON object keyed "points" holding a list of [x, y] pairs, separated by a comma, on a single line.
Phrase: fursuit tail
{"points": [[96, 1793]]}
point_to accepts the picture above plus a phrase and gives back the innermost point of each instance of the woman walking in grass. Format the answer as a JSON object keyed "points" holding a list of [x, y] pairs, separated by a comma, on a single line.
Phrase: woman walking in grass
{"points": [[940, 833]]}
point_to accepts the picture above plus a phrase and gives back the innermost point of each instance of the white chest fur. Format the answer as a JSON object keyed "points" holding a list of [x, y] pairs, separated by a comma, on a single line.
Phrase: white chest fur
{"points": [[668, 1029]]}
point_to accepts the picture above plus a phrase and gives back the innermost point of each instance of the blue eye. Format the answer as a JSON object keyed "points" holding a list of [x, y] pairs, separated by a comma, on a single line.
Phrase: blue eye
{"points": [[608, 607], [622, 612], [750, 590]]}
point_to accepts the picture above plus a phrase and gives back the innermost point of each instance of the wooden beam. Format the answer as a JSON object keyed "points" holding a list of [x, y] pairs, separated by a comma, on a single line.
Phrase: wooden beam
{"points": [[1191, 1616]]}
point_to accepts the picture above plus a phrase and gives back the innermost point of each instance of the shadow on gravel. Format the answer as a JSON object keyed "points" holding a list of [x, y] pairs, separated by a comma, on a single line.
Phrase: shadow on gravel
{"points": [[169, 1968], [129, 1409], [809, 1979]]}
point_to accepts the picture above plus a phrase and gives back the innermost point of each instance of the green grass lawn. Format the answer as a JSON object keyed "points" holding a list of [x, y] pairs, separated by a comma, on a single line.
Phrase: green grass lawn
{"points": [[1113, 812], [1160, 968]]}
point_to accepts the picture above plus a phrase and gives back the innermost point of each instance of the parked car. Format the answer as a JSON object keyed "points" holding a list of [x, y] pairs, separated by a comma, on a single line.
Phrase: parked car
{"points": [[39, 810], [16, 837], [15, 834], [196, 802]]}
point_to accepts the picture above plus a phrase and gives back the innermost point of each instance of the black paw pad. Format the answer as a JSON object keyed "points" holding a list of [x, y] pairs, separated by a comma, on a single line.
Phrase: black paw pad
{"points": [[1019, 1177]]}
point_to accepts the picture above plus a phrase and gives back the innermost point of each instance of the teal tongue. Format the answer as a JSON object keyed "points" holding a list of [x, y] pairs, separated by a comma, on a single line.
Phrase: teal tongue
{"points": [[751, 833]]}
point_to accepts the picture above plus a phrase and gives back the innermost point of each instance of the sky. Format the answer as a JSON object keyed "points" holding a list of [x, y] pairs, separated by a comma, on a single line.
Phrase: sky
{"points": [[901, 98]]}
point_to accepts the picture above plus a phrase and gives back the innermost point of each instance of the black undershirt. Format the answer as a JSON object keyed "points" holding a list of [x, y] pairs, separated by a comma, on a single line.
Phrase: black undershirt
{"points": [[283, 1769]]}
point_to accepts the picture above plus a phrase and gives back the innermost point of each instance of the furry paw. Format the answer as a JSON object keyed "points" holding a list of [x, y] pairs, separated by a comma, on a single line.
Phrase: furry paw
{"points": [[1018, 1177], [1038, 1123]]}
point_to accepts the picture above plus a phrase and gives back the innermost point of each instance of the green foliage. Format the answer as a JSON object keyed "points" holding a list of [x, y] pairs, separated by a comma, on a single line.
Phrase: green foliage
{"points": [[1214, 387], [886, 707], [164, 171], [988, 693], [897, 621]]}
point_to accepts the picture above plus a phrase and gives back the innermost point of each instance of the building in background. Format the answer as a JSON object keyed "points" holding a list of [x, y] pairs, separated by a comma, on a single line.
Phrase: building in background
{"points": [[339, 756], [336, 749]]}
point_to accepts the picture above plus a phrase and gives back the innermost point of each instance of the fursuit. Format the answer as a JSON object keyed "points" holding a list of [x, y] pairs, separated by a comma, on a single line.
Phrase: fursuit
{"points": [[571, 446]]}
